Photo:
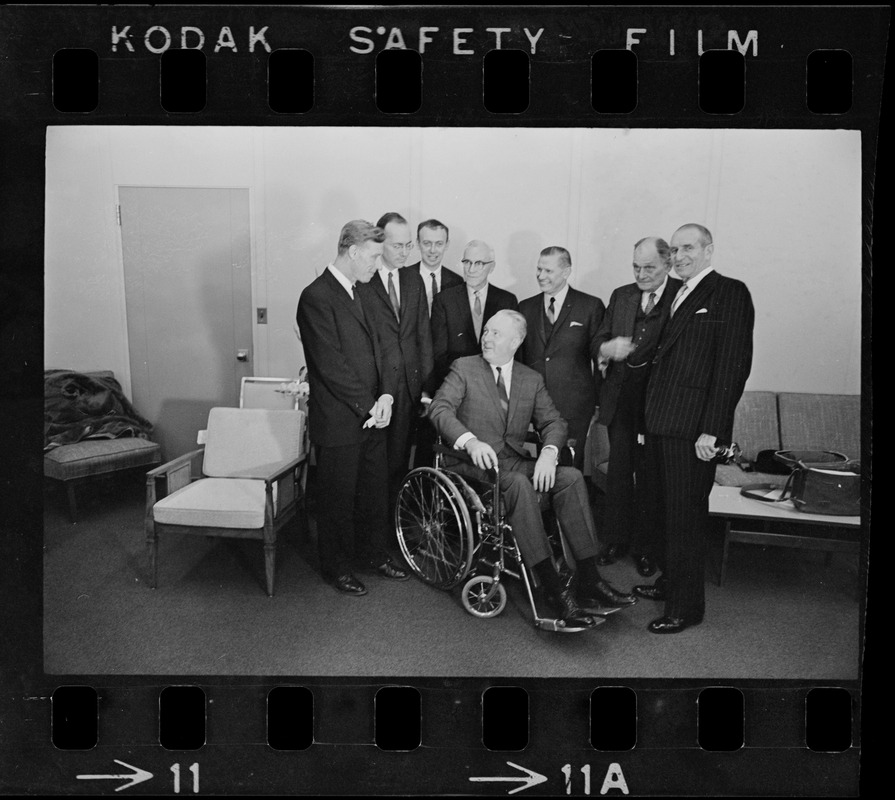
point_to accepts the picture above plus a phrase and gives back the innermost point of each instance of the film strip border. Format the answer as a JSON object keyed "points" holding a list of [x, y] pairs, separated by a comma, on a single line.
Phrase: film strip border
{"points": [[449, 737], [498, 66]]}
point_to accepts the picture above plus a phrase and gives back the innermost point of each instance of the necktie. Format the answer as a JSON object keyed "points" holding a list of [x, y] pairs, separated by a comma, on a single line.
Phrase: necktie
{"points": [[477, 315], [678, 298], [434, 292], [393, 296], [502, 392], [650, 303], [551, 314]]}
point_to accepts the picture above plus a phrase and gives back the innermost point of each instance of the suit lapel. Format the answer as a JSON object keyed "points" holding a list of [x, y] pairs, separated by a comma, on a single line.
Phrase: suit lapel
{"points": [[629, 311], [688, 308], [342, 297], [563, 314], [491, 385]]}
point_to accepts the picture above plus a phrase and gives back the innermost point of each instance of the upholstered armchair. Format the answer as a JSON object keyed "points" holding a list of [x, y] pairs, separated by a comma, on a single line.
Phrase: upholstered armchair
{"points": [[246, 483]]}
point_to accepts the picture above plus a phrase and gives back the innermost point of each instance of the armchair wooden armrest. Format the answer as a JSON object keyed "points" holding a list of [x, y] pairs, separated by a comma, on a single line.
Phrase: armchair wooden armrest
{"points": [[171, 476]]}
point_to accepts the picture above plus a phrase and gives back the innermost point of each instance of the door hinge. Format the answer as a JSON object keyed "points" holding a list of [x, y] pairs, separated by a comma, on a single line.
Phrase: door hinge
{"points": [[118, 215]]}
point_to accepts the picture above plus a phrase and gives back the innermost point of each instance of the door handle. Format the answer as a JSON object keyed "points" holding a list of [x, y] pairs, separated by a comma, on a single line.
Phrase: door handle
{"points": [[242, 355]]}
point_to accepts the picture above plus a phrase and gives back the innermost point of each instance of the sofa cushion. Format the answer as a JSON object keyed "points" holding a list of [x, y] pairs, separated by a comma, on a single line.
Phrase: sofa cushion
{"points": [[215, 503], [98, 456], [821, 422], [755, 424]]}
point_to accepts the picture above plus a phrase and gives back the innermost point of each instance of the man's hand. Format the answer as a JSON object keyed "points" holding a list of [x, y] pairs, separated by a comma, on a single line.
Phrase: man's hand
{"points": [[381, 413], [482, 454], [425, 402], [545, 470], [617, 349], [705, 447]]}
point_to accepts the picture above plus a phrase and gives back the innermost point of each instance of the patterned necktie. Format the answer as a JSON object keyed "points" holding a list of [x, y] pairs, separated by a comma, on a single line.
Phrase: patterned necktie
{"points": [[650, 303], [502, 392], [551, 314], [477, 315], [434, 292], [678, 298], [393, 296]]}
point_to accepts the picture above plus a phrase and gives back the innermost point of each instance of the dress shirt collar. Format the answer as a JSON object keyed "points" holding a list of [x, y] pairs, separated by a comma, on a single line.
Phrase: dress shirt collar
{"points": [[506, 370], [644, 296], [483, 294], [340, 277], [560, 299]]}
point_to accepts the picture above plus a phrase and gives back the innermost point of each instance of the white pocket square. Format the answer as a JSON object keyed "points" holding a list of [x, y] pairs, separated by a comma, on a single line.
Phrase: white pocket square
{"points": [[703, 311], [574, 324]]}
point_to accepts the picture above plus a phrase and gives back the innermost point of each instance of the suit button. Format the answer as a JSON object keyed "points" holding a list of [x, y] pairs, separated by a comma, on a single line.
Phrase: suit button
{"points": [[547, 359]]}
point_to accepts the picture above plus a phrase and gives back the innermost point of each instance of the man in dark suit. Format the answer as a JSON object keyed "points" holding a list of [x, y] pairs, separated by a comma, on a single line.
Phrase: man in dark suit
{"points": [[697, 377], [432, 238], [627, 341], [562, 343], [458, 313], [396, 301], [349, 410], [484, 407]]}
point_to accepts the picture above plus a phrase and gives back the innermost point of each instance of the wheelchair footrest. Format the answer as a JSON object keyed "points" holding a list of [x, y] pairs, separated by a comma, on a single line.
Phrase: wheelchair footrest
{"points": [[556, 625]]}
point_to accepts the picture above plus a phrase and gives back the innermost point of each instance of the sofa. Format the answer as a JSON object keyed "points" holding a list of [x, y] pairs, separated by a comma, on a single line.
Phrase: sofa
{"points": [[768, 421]]}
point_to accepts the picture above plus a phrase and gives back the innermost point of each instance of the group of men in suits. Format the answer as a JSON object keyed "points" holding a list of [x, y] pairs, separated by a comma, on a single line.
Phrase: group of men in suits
{"points": [[388, 343]]}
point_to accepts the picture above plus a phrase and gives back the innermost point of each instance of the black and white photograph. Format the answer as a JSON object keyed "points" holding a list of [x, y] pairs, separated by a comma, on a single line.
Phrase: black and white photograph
{"points": [[175, 260], [439, 400]]}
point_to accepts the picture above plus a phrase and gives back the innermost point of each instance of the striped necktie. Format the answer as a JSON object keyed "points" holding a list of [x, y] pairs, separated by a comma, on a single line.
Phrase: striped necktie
{"points": [[502, 392], [393, 296], [678, 298]]}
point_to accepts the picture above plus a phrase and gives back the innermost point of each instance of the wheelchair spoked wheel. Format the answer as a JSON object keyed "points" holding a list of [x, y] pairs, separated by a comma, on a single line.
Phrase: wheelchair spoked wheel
{"points": [[482, 597], [434, 527]]}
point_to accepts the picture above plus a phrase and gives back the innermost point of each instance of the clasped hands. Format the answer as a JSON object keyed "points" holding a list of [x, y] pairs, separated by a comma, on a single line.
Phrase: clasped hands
{"points": [[381, 413], [484, 457]]}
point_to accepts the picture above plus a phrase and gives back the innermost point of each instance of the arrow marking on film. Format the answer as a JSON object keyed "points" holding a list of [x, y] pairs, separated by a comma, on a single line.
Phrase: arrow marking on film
{"points": [[133, 778], [530, 779]]}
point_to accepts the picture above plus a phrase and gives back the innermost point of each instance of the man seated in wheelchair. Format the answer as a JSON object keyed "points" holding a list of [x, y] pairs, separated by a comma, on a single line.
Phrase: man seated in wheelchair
{"points": [[484, 407]]}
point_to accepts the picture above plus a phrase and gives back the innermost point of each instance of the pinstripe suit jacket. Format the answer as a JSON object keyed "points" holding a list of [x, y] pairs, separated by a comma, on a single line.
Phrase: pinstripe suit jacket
{"points": [[702, 362], [468, 401]]}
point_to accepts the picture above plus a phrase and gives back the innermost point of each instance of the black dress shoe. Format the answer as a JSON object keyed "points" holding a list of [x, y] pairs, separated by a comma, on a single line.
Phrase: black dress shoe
{"points": [[672, 624], [645, 566], [348, 584], [607, 595], [389, 569], [610, 554], [656, 593]]}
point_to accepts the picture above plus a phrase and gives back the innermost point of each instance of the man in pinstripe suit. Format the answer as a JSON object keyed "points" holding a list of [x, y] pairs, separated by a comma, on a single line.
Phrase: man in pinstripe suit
{"points": [[698, 374]]}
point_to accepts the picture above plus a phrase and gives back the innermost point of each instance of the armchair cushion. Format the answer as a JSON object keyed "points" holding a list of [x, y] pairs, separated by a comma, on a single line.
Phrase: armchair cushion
{"points": [[251, 442], [216, 503]]}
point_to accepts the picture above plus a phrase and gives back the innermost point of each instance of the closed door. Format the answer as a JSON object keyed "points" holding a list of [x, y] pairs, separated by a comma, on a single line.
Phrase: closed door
{"points": [[188, 291]]}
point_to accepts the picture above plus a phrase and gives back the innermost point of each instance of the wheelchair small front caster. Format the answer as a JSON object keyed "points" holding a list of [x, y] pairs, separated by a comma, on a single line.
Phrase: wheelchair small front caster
{"points": [[482, 597]]}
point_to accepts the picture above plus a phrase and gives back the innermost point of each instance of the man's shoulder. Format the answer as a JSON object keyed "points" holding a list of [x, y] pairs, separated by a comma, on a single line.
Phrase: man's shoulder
{"points": [[502, 294], [577, 296], [415, 266], [531, 304], [525, 372], [323, 284]]}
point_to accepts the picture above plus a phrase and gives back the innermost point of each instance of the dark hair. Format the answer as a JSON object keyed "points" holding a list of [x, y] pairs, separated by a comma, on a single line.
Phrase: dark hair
{"points": [[357, 232], [662, 247], [705, 234], [565, 258], [391, 216], [433, 223]]}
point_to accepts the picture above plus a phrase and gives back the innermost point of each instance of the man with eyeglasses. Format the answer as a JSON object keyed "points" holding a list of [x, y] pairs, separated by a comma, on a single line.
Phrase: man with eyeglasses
{"points": [[626, 341], [562, 343], [432, 238], [397, 301], [458, 314]]}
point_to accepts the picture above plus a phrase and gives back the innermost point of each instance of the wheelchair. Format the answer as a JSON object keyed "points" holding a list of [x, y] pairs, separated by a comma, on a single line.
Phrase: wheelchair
{"points": [[452, 532]]}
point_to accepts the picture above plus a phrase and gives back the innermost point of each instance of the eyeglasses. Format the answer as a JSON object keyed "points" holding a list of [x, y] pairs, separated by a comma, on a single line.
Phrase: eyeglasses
{"points": [[398, 247], [475, 264]]}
